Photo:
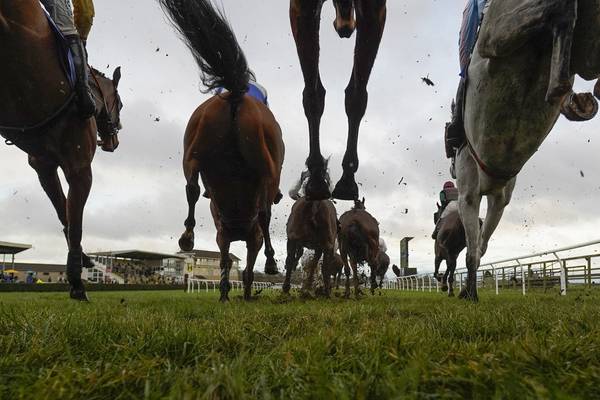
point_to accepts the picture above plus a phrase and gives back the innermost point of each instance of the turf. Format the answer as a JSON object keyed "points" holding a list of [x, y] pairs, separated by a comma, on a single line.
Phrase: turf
{"points": [[400, 345]]}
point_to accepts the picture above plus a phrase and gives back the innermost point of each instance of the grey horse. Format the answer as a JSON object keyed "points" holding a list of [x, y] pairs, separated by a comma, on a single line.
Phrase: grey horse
{"points": [[523, 66]]}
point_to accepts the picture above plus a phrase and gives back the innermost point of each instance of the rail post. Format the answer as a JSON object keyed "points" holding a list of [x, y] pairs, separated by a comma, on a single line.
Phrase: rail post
{"points": [[589, 271], [563, 275]]}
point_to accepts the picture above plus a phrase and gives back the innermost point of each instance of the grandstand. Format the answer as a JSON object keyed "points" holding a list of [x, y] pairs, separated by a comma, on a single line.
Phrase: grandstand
{"points": [[135, 266]]}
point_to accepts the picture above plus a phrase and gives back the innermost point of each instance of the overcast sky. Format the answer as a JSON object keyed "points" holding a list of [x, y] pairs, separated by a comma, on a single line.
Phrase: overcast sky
{"points": [[138, 197]]}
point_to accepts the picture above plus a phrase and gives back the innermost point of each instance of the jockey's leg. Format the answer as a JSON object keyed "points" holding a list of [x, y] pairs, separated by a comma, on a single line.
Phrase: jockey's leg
{"points": [[455, 130], [85, 101], [62, 14]]}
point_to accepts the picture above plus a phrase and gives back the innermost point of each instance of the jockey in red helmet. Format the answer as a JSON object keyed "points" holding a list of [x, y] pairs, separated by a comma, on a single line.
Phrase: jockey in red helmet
{"points": [[448, 193]]}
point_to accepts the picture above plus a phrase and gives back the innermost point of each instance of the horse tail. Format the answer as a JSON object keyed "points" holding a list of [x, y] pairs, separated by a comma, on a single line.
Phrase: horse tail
{"points": [[357, 241], [206, 32]]}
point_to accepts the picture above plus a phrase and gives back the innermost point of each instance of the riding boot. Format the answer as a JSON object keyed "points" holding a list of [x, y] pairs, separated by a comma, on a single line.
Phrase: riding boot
{"points": [[85, 100], [455, 129]]}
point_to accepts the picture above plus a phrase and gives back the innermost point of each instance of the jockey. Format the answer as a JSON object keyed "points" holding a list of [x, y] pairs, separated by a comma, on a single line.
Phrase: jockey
{"points": [[255, 90], [472, 18], [448, 194], [76, 27]]}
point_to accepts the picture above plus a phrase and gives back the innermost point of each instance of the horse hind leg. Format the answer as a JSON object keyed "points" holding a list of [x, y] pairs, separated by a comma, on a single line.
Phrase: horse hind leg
{"points": [[192, 191], [451, 267], [305, 18], [225, 285], [264, 219], [253, 245], [371, 23]]}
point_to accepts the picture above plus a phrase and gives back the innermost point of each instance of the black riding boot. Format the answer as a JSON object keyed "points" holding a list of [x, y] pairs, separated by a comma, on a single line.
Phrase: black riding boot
{"points": [[455, 130], [85, 100]]}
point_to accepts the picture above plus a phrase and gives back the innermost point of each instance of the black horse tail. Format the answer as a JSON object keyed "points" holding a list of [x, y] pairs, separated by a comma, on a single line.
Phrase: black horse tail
{"points": [[206, 32]]}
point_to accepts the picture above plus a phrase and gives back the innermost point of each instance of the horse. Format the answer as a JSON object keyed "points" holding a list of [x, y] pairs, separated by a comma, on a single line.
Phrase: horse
{"points": [[383, 264], [449, 242], [38, 115], [524, 63], [359, 242], [368, 18], [312, 225], [232, 142]]}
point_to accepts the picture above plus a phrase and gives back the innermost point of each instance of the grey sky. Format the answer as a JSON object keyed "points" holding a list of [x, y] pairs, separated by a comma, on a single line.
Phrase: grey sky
{"points": [[138, 197]]}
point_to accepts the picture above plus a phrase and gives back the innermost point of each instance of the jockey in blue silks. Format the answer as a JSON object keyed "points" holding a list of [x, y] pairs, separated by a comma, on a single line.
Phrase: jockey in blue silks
{"points": [[472, 18], [255, 90]]}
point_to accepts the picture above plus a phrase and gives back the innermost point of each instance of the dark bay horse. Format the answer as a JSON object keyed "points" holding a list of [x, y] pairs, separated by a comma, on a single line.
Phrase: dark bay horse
{"points": [[39, 117], [368, 18], [232, 142], [359, 242], [450, 241], [312, 225], [523, 66]]}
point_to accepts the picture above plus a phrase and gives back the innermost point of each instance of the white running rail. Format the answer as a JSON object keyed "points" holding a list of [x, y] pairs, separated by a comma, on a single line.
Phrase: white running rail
{"points": [[197, 285]]}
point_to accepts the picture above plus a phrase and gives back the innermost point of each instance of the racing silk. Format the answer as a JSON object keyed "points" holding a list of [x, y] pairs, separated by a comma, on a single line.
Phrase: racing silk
{"points": [[255, 90], [83, 12], [447, 195], [472, 16]]}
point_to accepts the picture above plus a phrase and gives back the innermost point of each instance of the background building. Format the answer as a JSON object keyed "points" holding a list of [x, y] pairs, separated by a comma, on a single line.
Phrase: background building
{"points": [[204, 264]]}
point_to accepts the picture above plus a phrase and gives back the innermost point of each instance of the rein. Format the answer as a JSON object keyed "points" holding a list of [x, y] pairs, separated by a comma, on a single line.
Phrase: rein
{"points": [[487, 170], [42, 124]]}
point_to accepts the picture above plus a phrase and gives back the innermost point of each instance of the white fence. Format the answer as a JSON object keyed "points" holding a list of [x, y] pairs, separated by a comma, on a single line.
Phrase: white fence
{"points": [[542, 270], [206, 285]]}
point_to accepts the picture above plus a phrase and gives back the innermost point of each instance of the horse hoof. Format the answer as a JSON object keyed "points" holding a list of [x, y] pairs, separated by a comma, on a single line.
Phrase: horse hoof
{"points": [[271, 267], [450, 294], [79, 294], [346, 189], [579, 107], [224, 299], [186, 242], [444, 288], [317, 189]]}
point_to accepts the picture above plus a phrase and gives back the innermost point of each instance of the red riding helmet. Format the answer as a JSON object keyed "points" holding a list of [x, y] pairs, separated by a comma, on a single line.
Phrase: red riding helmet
{"points": [[449, 185]]}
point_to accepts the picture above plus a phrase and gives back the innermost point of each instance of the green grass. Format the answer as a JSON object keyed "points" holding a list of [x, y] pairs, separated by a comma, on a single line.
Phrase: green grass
{"points": [[399, 345]]}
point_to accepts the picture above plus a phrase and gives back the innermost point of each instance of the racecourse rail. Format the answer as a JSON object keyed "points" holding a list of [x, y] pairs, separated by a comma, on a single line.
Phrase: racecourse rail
{"points": [[541, 270], [205, 285]]}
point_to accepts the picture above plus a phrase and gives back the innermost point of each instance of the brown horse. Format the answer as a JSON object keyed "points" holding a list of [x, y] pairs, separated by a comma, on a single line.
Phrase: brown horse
{"points": [[38, 116], [311, 224], [232, 141], [450, 241], [359, 241], [305, 17]]}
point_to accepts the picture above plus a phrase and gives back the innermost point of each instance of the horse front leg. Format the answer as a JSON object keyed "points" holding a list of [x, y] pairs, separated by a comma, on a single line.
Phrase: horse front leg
{"points": [[291, 262], [326, 268], [469, 202], [497, 201], [80, 184], [305, 18], [450, 268], [370, 17], [225, 285], [192, 191], [264, 219]]}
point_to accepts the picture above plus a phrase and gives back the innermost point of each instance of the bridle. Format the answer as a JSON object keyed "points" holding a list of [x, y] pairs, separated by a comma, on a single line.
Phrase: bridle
{"points": [[104, 118]]}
